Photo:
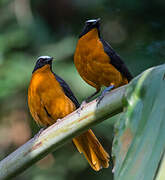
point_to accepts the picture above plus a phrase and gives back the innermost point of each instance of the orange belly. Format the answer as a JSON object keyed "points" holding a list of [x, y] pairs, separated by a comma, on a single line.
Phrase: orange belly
{"points": [[46, 99], [93, 65]]}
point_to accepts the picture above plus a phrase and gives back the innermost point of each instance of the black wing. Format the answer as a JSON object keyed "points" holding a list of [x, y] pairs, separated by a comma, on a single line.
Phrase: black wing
{"points": [[116, 60], [67, 90]]}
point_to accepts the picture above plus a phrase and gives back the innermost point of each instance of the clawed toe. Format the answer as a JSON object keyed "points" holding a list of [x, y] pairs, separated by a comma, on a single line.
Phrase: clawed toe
{"points": [[39, 132], [81, 107], [98, 100]]}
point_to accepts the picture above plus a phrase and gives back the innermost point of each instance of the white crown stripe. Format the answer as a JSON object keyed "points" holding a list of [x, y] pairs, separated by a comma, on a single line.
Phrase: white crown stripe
{"points": [[44, 57], [92, 20]]}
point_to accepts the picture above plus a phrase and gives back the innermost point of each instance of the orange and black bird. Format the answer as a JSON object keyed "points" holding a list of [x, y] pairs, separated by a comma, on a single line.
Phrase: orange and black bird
{"points": [[50, 98], [97, 63]]}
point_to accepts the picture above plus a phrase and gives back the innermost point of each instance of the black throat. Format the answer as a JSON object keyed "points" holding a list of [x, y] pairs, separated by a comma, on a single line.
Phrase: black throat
{"points": [[38, 66], [86, 29]]}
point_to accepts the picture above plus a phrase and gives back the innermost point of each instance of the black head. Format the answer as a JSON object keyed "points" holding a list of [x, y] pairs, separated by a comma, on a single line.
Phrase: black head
{"points": [[90, 24], [42, 61]]}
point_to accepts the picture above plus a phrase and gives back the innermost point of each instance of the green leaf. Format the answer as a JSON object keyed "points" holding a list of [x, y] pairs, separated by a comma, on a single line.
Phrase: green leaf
{"points": [[139, 144], [161, 172]]}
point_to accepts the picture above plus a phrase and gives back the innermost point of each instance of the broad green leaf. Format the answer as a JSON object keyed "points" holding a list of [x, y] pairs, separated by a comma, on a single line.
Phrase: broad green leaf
{"points": [[139, 144]]}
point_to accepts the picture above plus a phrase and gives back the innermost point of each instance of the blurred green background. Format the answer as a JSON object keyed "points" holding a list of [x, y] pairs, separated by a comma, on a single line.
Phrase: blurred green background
{"points": [[29, 29]]}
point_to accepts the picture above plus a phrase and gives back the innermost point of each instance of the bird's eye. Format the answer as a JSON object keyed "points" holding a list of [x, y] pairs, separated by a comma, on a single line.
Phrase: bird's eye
{"points": [[41, 60]]}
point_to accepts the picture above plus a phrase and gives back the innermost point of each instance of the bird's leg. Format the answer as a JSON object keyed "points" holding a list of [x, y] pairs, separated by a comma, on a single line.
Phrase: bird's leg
{"points": [[104, 92], [91, 96], [87, 100], [39, 132]]}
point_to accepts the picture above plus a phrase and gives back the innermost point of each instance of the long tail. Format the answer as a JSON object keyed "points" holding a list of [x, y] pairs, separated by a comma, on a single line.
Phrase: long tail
{"points": [[92, 149]]}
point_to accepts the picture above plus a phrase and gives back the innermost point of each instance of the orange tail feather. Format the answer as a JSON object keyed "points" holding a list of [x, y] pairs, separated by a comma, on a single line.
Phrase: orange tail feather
{"points": [[88, 144]]}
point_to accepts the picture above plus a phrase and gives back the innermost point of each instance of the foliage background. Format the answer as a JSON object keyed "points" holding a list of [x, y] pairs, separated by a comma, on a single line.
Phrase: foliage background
{"points": [[29, 29]]}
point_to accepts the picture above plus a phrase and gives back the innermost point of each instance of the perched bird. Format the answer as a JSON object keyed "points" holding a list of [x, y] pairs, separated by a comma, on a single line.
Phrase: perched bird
{"points": [[97, 63], [50, 98]]}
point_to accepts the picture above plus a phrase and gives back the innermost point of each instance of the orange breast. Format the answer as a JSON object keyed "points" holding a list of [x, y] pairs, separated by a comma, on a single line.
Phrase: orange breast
{"points": [[46, 99], [93, 64]]}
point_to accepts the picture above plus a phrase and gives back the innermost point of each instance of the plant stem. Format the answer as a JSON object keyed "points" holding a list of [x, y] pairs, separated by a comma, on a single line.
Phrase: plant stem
{"points": [[60, 132]]}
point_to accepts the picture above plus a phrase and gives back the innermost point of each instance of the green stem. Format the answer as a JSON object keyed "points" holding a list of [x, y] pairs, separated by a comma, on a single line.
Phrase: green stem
{"points": [[60, 132]]}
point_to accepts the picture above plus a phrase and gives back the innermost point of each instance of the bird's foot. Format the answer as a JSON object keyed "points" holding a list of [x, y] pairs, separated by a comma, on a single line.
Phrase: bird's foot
{"points": [[59, 120], [81, 107], [103, 93], [39, 132]]}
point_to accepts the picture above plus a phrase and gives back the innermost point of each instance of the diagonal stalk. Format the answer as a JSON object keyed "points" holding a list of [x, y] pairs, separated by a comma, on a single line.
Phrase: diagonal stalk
{"points": [[60, 132]]}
